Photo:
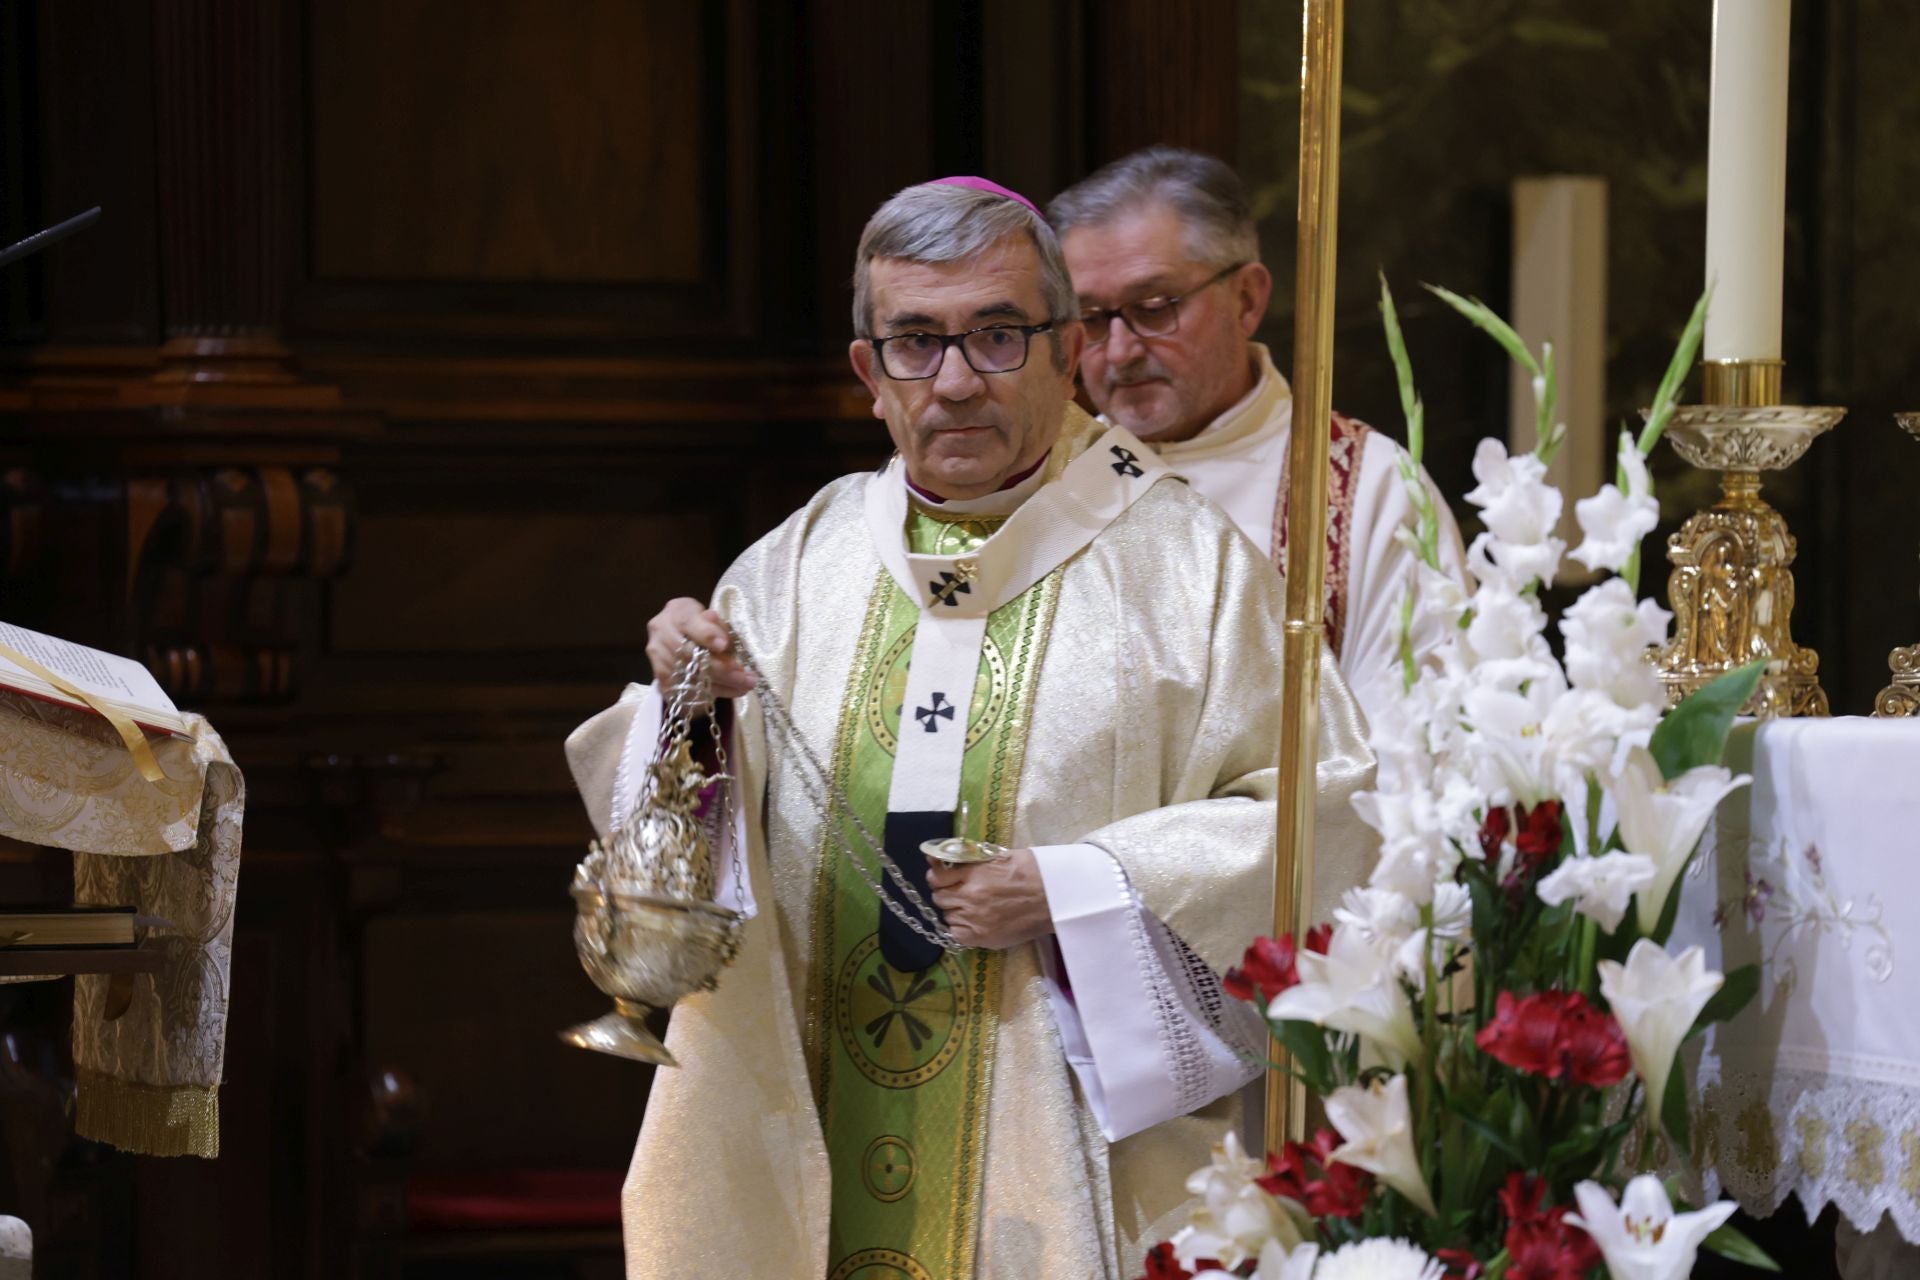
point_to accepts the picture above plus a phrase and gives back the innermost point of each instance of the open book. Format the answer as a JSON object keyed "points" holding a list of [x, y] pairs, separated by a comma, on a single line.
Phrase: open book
{"points": [[120, 683]]}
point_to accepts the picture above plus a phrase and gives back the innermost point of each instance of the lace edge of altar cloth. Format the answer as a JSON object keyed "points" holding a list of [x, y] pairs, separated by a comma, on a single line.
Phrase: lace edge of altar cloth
{"points": [[1827, 1139]]}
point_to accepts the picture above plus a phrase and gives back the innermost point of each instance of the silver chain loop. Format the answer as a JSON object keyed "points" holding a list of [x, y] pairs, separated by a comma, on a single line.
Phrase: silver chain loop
{"points": [[929, 925]]}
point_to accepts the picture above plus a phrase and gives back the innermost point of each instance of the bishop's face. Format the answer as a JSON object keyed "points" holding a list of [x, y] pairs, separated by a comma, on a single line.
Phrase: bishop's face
{"points": [[963, 433], [1169, 386]]}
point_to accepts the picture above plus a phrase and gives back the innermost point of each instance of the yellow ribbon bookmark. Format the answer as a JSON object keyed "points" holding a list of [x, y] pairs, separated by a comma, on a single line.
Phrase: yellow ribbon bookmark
{"points": [[130, 733]]}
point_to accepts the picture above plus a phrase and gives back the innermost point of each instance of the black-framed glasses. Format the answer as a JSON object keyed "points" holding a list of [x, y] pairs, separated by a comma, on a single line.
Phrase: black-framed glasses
{"points": [[998, 348], [1154, 317]]}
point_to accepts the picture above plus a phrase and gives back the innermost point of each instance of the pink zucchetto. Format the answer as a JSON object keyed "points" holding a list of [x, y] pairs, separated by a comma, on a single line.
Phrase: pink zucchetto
{"points": [[986, 184]]}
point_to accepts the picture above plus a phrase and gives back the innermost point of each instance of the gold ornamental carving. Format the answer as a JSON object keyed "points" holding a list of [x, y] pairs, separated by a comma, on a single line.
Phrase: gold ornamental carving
{"points": [[1902, 697], [1731, 589]]}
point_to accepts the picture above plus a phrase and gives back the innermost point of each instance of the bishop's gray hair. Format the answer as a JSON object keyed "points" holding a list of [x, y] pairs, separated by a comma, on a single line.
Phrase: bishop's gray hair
{"points": [[941, 222], [1206, 193]]}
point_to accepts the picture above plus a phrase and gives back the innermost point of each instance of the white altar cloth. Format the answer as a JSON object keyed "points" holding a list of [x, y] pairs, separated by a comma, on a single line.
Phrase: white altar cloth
{"points": [[1814, 873]]}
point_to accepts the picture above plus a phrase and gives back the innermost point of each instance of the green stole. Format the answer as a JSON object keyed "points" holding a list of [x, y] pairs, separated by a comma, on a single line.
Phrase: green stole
{"points": [[902, 1062]]}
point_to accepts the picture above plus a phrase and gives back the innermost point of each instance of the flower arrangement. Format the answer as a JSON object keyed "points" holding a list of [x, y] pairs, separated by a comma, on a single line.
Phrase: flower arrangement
{"points": [[1493, 1021]]}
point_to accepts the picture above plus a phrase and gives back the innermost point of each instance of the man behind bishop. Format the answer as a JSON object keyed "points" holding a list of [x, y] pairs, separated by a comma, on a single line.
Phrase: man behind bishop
{"points": [[1023, 629]]}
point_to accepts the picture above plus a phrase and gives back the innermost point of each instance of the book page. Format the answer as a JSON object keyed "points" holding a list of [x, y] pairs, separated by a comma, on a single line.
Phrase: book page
{"points": [[108, 675]]}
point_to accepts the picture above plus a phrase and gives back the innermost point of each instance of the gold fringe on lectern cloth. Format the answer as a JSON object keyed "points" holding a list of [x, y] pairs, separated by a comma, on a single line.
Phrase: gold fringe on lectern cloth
{"points": [[148, 1119]]}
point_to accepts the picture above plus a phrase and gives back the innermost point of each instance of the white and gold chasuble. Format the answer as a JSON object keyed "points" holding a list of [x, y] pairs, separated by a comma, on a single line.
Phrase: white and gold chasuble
{"points": [[1128, 697]]}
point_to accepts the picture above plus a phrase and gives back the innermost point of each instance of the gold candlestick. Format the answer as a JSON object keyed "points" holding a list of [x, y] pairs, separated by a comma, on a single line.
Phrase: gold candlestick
{"points": [[1732, 586], [1902, 697]]}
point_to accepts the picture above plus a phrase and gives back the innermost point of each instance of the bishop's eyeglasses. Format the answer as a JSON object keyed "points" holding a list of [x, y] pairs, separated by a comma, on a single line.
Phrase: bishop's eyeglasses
{"points": [[998, 348], [1154, 317]]}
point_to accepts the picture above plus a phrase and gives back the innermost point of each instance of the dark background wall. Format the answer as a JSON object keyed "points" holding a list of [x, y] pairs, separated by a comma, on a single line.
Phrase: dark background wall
{"points": [[425, 346]]}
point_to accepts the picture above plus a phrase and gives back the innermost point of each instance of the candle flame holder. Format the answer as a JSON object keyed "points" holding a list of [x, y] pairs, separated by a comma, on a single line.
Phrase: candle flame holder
{"points": [[1731, 589]]}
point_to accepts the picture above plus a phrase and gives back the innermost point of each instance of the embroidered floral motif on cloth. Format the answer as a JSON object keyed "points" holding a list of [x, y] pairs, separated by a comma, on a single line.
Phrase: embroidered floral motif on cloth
{"points": [[1814, 1091]]}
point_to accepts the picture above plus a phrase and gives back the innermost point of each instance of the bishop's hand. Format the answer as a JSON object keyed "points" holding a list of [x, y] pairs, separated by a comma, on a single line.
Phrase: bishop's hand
{"points": [[687, 619], [997, 905]]}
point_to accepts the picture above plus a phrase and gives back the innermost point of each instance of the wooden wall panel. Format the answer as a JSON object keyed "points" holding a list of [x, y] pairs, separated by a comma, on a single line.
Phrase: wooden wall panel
{"points": [[509, 140], [532, 177], [504, 580], [447, 992]]}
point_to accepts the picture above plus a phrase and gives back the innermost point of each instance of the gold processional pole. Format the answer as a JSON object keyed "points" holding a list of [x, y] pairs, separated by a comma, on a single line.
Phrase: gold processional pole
{"points": [[1307, 510]]}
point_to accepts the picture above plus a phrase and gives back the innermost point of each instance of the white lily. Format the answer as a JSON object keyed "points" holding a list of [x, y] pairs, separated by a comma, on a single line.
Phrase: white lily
{"points": [[1613, 521], [1600, 888], [1656, 997], [1236, 1217], [1642, 1237], [1379, 1259], [1352, 988], [1378, 1128], [1664, 820]]}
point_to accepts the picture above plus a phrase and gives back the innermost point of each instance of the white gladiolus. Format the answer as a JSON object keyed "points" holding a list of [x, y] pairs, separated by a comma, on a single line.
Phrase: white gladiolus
{"points": [[1656, 998], [1608, 633], [1642, 1238], [1415, 853], [1614, 522], [1600, 888]]}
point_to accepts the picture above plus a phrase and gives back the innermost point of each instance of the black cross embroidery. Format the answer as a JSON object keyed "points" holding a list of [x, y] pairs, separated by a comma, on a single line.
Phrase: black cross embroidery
{"points": [[918, 988], [933, 715], [947, 590], [1128, 464]]}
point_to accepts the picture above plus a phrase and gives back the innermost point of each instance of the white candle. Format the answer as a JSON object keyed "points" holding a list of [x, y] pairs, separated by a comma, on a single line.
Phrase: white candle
{"points": [[1747, 178]]}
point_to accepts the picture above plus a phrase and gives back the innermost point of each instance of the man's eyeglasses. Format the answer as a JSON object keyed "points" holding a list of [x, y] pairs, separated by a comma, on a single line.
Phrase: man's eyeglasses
{"points": [[999, 348], [1150, 317]]}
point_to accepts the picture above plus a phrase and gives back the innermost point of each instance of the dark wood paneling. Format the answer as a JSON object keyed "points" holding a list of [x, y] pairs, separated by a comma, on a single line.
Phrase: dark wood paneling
{"points": [[446, 990], [1160, 72], [80, 133], [489, 173], [488, 581], [488, 141]]}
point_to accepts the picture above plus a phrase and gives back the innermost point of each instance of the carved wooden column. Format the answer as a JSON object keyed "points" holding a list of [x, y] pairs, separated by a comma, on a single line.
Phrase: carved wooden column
{"points": [[227, 167]]}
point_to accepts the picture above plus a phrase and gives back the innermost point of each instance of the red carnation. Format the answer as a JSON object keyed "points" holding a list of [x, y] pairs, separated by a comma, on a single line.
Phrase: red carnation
{"points": [[1547, 1250], [1525, 1034], [1556, 1033], [1269, 966], [1594, 1047], [1536, 841], [1539, 1241], [1524, 1198], [1339, 1192], [1539, 836], [1460, 1264], [1493, 833], [1162, 1265]]}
